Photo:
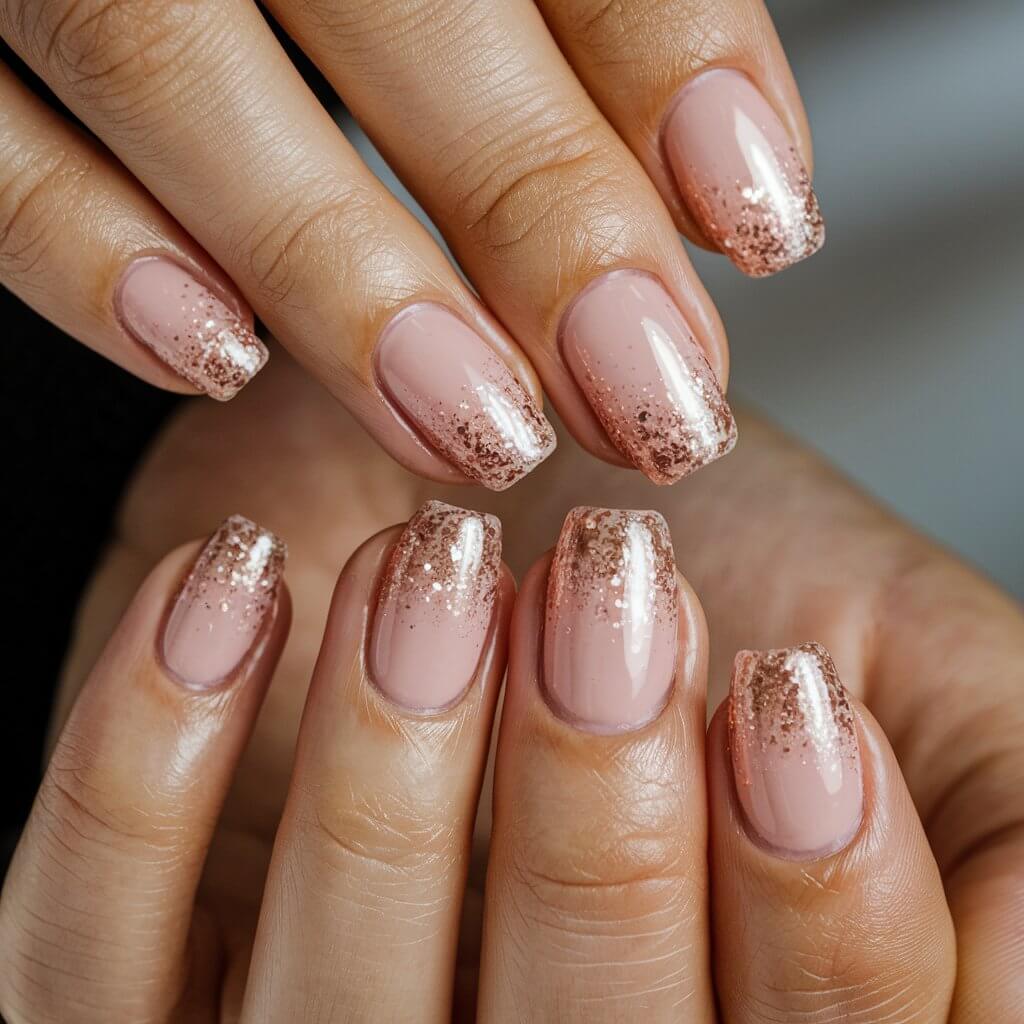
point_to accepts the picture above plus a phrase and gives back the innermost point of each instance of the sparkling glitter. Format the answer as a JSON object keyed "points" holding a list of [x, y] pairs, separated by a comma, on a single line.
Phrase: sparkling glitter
{"points": [[238, 572], [448, 558], [765, 228], [792, 700]]}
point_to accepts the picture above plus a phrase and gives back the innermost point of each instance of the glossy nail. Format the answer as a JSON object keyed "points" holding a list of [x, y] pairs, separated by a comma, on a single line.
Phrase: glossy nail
{"points": [[741, 175], [189, 328], [795, 752], [646, 377], [461, 396], [223, 604], [435, 606], [611, 633]]}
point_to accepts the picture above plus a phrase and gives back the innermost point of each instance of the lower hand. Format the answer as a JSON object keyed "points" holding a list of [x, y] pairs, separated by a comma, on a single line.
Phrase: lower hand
{"points": [[602, 847]]}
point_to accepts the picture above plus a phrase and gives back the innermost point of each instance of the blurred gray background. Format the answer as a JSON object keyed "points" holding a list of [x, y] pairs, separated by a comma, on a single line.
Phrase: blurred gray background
{"points": [[898, 351]]}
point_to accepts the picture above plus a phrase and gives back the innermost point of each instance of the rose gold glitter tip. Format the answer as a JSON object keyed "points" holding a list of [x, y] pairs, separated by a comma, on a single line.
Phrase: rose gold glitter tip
{"points": [[646, 376], [188, 327], [610, 633], [796, 756], [462, 398], [740, 174], [223, 602], [435, 606]]}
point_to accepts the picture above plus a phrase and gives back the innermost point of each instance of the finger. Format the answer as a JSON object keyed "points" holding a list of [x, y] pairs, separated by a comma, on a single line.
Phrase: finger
{"points": [[545, 208], [596, 886], [202, 105], [85, 246], [97, 906], [827, 901], [371, 856], [934, 650], [711, 111]]}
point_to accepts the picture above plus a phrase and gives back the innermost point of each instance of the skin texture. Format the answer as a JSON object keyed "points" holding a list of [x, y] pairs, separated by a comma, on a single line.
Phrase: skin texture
{"points": [[928, 650], [212, 151]]}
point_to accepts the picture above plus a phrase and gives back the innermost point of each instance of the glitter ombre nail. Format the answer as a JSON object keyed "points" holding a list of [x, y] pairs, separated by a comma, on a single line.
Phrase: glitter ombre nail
{"points": [[435, 606], [461, 397], [188, 327], [646, 377], [795, 752], [611, 622], [741, 175], [223, 603]]}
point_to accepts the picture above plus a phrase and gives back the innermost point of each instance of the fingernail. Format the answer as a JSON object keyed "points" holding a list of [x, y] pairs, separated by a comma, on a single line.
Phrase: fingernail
{"points": [[223, 603], [435, 606], [795, 752], [741, 175], [646, 377], [610, 631], [189, 328], [461, 396]]}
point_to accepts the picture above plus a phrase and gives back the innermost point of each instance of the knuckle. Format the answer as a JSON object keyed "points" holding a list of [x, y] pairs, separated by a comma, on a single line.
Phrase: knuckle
{"points": [[594, 855], [37, 195], [826, 980], [86, 813], [380, 835], [334, 233], [541, 185], [113, 51]]}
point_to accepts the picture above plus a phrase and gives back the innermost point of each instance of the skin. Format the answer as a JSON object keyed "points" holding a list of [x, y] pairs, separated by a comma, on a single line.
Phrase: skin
{"points": [[780, 549], [213, 150]]}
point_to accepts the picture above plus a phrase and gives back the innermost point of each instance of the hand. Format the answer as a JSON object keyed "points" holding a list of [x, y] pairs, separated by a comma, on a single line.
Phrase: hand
{"points": [[781, 551], [552, 143]]}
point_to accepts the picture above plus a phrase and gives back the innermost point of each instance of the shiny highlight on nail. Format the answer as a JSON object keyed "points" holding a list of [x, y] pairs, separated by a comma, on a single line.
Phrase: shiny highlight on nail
{"points": [[188, 327], [610, 634], [462, 398], [795, 752], [435, 606], [646, 377], [740, 174], [223, 603]]}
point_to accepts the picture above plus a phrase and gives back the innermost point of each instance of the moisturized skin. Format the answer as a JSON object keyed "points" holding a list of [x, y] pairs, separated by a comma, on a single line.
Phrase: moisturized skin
{"points": [[462, 397], [646, 377], [223, 603], [188, 327], [435, 606], [610, 633], [795, 750], [740, 174]]}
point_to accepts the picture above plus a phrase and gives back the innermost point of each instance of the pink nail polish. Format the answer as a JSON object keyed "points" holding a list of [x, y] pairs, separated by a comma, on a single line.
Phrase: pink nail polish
{"points": [[189, 328], [611, 623], [646, 377], [741, 175], [462, 397], [795, 752], [223, 603], [435, 606]]}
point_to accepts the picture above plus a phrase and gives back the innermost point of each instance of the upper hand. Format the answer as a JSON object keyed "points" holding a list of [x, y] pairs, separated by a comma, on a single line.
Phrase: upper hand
{"points": [[552, 143]]}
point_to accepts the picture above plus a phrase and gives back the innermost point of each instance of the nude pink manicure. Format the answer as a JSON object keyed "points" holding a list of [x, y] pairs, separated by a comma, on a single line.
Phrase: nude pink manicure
{"points": [[795, 751], [223, 604], [461, 396], [435, 606], [741, 175], [188, 327], [646, 377], [611, 623]]}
